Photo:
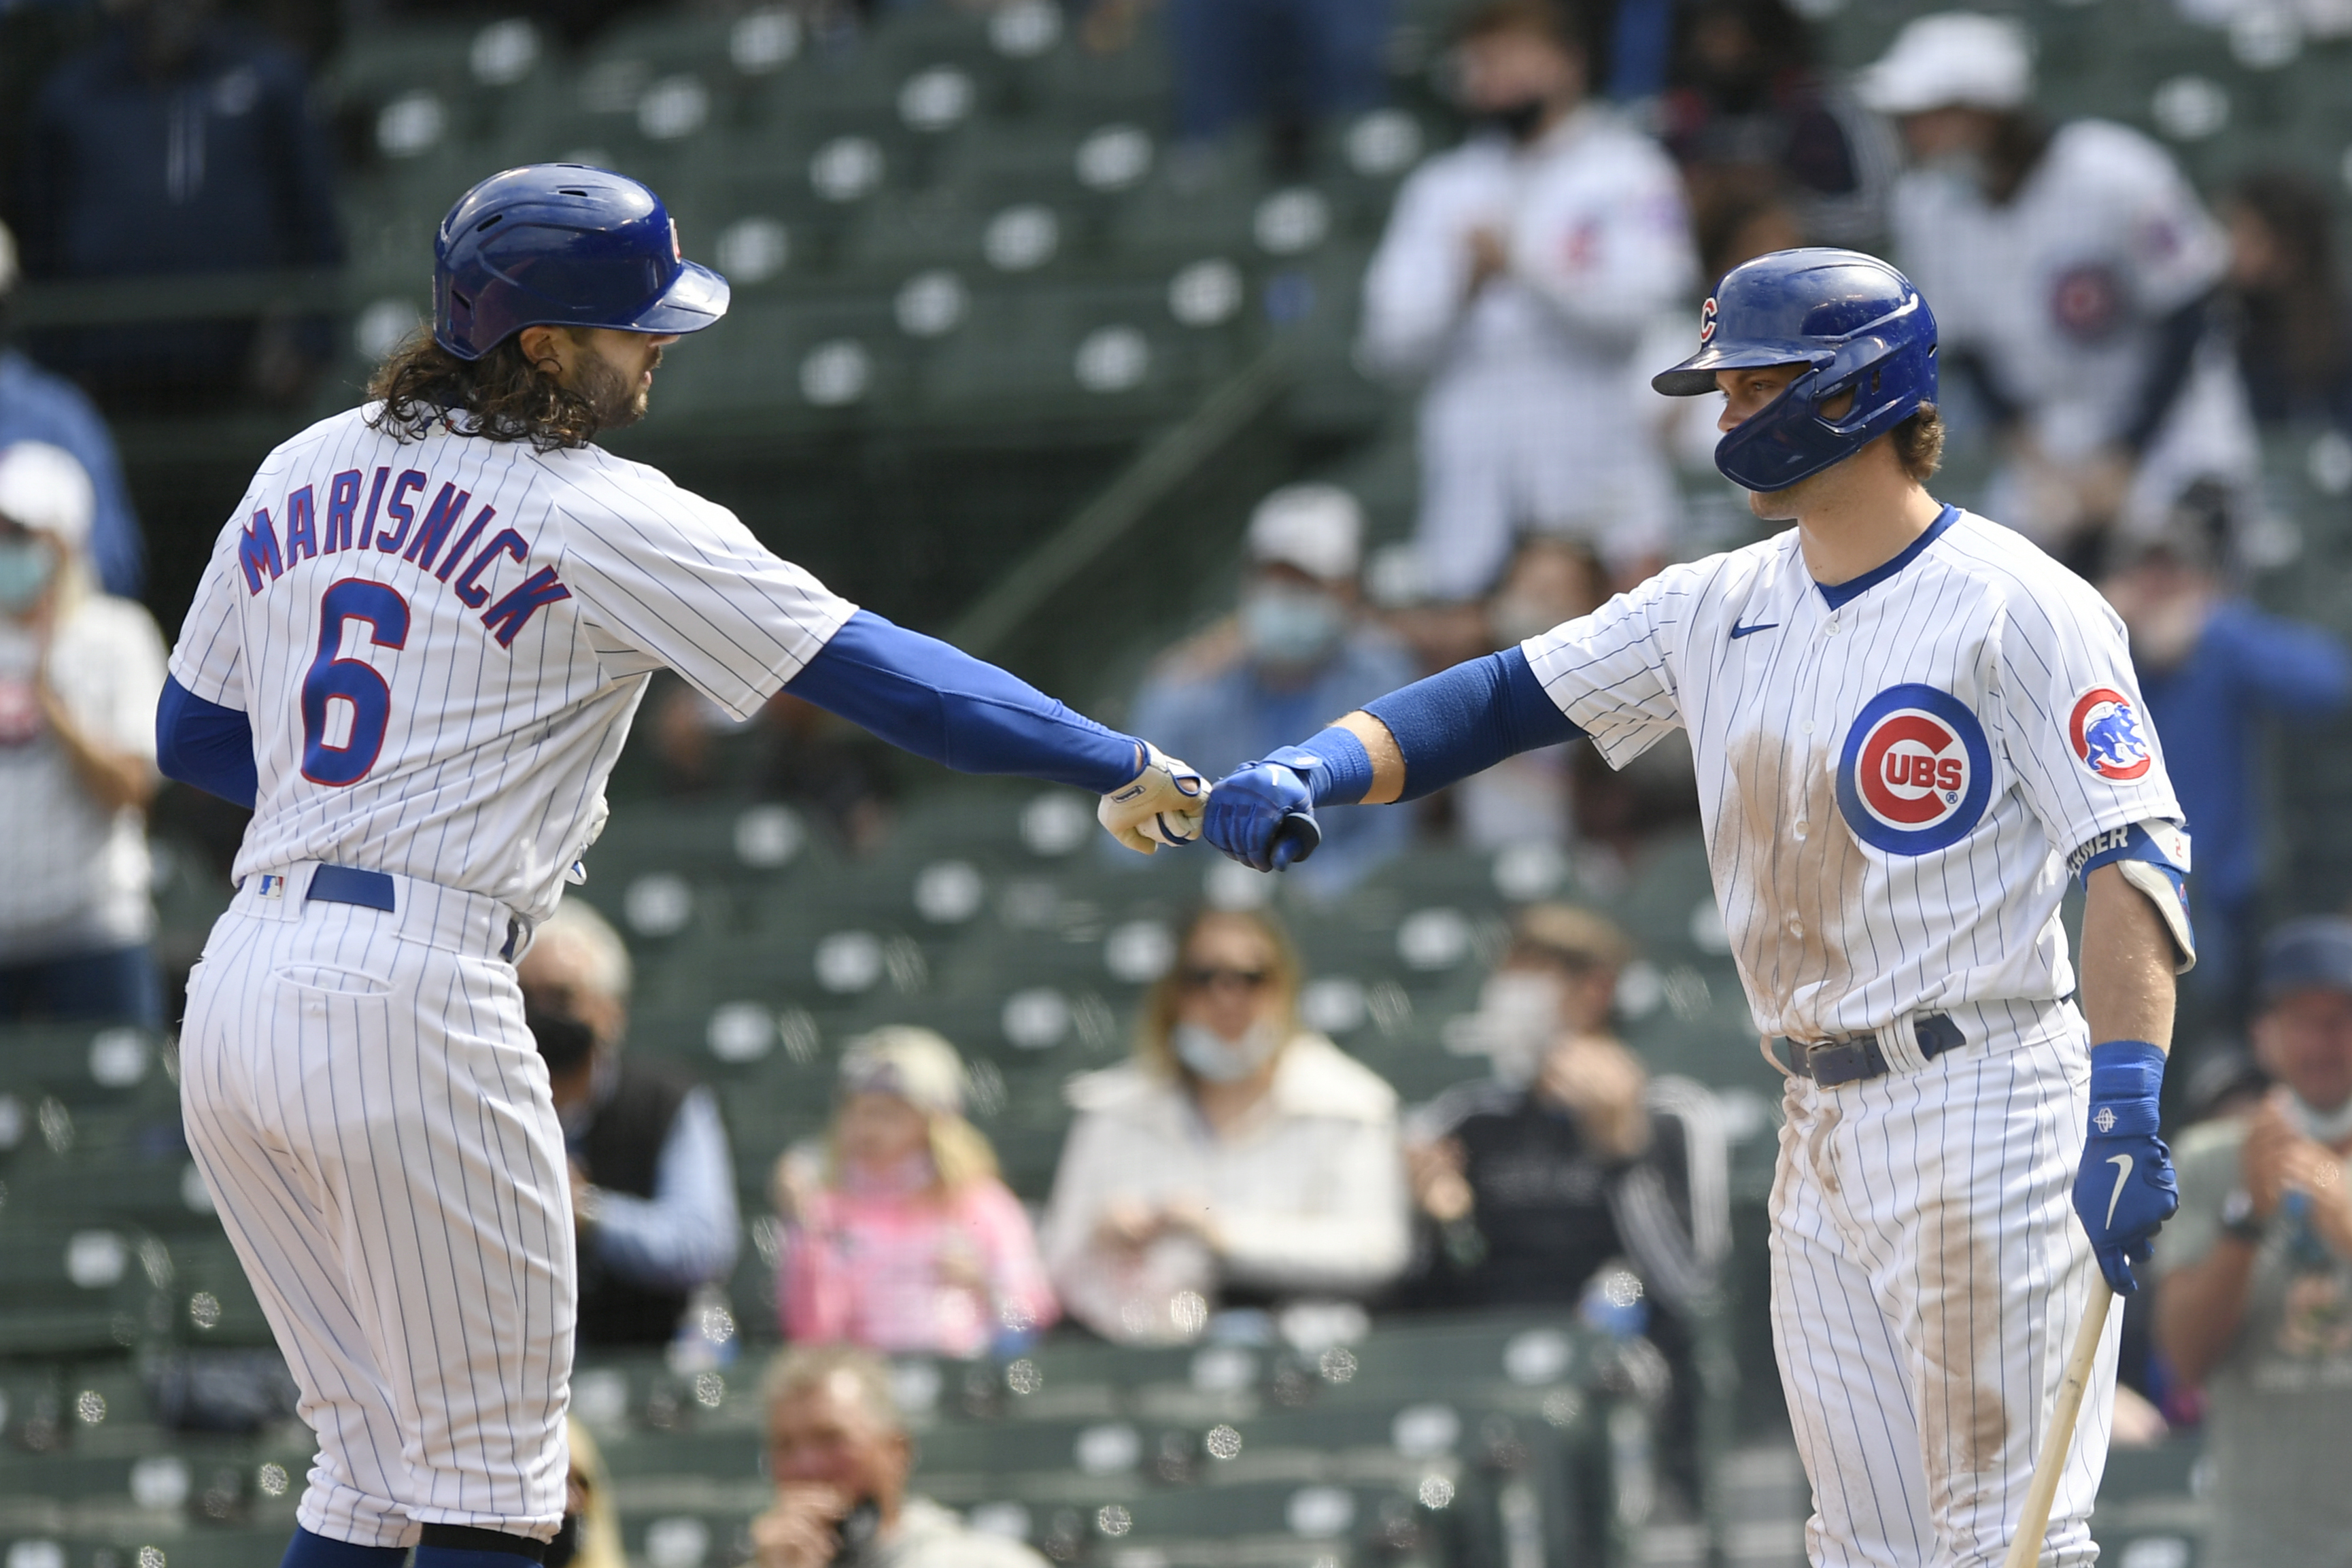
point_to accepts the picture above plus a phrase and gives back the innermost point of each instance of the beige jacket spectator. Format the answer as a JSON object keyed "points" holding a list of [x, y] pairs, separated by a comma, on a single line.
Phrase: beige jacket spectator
{"points": [[1238, 1153]]}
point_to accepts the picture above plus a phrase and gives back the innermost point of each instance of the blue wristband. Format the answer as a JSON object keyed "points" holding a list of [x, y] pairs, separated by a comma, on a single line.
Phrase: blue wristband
{"points": [[1465, 720], [1333, 762], [2127, 1076]]}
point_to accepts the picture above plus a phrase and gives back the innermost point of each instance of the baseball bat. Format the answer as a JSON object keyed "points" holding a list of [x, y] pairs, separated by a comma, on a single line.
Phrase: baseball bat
{"points": [[1299, 830], [2025, 1548]]}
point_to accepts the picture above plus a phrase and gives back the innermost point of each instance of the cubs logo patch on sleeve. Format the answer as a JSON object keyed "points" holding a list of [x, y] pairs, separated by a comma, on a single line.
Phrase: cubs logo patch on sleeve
{"points": [[2107, 734], [1915, 773]]}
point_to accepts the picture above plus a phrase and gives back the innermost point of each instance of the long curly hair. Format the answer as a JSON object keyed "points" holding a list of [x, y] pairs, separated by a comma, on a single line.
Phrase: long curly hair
{"points": [[504, 396]]}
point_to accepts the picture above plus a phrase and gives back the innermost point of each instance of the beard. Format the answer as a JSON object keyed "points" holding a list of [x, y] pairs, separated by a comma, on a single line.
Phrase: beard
{"points": [[1782, 505], [617, 398]]}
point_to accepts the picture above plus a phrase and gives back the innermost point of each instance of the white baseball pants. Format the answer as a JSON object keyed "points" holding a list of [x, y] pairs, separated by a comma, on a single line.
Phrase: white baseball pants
{"points": [[1927, 1278], [373, 1121]]}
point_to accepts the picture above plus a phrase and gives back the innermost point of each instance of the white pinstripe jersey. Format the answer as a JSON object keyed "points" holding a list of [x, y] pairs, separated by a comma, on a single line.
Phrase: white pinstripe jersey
{"points": [[440, 644], [1891, 771]]}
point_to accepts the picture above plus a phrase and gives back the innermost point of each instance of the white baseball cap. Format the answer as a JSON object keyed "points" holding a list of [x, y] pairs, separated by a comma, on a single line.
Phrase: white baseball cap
{"points": [[46, 488], [916, 1063], [1953, 60], [1318, 527]]}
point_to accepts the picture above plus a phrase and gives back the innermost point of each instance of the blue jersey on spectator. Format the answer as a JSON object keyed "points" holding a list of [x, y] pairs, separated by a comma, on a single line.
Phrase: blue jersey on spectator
{"points": [[2244, 666], [38, 407], [1219, 719]]}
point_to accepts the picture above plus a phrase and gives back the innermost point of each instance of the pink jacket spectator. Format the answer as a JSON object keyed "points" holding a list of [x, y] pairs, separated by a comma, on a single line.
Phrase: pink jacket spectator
{"points": [[911, 1274]]}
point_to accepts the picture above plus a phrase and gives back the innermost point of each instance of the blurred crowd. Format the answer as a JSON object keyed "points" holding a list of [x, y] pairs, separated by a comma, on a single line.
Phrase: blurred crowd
{"points": [[1241, 1180], [2114, 345]]}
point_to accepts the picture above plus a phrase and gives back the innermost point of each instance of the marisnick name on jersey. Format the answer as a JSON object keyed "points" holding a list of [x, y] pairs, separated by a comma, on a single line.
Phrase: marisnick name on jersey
{"points": [[302, 529]]}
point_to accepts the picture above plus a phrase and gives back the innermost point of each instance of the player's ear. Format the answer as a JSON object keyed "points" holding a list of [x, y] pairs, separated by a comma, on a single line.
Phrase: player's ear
{"points": [[542, 349]]}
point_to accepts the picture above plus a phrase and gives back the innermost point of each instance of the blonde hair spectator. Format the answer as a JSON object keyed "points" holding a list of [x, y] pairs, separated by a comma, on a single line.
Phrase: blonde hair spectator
{"points": [[1236, 1154], [919, 1066], [898, 1233]]}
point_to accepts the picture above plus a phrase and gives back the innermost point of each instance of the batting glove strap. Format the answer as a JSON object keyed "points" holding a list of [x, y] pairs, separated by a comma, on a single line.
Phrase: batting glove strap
{"points": [[1161, 805], [2127, 1076], [1337, 768]]}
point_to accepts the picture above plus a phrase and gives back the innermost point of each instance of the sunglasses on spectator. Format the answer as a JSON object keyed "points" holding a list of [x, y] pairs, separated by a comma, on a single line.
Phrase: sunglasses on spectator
{"points": [[1209, 979]]}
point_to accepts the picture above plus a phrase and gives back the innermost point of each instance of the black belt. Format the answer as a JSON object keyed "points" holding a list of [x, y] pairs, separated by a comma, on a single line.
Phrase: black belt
{"points": [[1834, 1062], [349, 885], [375, 890]]}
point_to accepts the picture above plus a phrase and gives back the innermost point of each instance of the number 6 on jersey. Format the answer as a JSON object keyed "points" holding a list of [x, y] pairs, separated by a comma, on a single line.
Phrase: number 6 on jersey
{"points": [[345, 703]]}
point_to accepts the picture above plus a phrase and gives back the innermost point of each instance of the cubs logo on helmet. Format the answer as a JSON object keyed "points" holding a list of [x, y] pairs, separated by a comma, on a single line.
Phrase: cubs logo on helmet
{"points": [[2107, 734], [1915, 773], [1707, 321]]}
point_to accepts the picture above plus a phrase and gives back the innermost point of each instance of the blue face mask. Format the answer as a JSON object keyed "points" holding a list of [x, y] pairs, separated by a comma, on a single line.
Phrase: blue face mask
{"points": [[1291, 626], [24, 568]]}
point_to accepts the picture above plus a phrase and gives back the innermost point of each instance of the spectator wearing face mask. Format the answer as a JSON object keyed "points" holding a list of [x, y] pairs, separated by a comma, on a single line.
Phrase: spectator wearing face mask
{"points": [[1297, 646], [2073, 269], [1239, 1159], [1571, 1169], [653, 1188], [37, 404], [1534, 1179], [81, 672], [1750, 117], [1512, 284]]}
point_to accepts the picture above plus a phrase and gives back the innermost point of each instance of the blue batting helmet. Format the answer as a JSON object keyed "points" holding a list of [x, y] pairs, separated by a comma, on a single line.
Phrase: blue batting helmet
{"points": [[1857, 324], [563, 245]]}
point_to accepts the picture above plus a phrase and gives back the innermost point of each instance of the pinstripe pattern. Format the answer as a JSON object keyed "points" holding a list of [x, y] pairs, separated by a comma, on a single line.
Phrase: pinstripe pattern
{"points": [[1833, 937], [362, 1098], [1926, 1267], [494, 760], [359, 1086], [1927, 1277]]}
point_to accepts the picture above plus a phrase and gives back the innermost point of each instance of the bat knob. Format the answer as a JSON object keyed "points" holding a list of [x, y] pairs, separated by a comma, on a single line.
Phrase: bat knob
{"points": [[1297, 838]]}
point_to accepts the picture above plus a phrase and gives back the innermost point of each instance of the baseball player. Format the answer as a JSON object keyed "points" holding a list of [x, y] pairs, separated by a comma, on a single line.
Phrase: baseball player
{"points": [[1911, 726], [415, 655]]}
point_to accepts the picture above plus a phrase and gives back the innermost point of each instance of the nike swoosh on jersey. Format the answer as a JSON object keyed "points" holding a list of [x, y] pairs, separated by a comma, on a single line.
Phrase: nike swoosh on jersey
{"points": [[1738, 631], [2123, 1175]]}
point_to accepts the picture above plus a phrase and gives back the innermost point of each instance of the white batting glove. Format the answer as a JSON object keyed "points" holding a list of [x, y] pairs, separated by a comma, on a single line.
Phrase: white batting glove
{"points": [[1161, 805]]}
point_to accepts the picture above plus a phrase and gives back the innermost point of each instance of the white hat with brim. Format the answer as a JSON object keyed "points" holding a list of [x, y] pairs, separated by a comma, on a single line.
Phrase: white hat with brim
{"points": [[1953, 60], [916, 1063], [47, 490], [1317, 528]]}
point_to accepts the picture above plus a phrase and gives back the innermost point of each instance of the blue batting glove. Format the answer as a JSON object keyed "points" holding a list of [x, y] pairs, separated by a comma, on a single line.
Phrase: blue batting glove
{"points": [[1246, 810], [2124, 1188]]}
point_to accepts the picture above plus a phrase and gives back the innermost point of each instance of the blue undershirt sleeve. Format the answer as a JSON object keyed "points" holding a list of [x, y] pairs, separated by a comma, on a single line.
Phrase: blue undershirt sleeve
{"points": [[938, 702], [206, 744], [1465, 720]]}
